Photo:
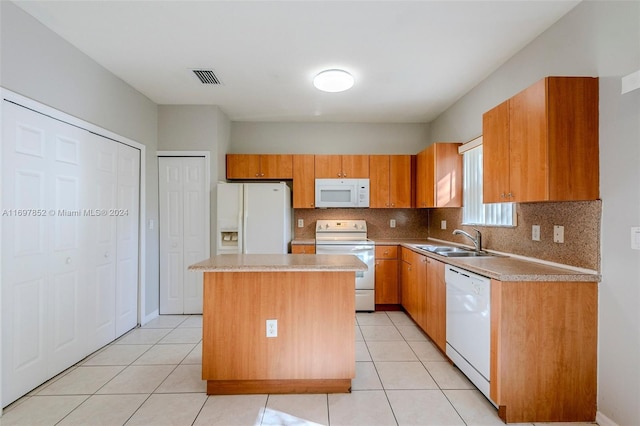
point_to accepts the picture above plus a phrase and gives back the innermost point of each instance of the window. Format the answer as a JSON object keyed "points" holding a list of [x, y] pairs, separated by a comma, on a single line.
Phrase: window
{"points": [[474, 211]]}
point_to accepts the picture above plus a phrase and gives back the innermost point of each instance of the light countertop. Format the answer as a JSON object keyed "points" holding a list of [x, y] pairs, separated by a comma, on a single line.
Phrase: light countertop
{"points": [[503, 268], [280, 263]]}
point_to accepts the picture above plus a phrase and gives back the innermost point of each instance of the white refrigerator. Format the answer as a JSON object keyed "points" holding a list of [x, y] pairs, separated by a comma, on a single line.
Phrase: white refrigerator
{"points": [[253, 218]]}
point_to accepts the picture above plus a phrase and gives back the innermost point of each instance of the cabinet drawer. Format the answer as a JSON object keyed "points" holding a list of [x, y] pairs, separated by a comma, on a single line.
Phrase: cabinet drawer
{"points": [[386, 252]]}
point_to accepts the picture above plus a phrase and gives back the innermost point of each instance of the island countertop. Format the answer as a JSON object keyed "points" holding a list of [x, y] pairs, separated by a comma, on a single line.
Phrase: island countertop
{"points": [[279, 263]]}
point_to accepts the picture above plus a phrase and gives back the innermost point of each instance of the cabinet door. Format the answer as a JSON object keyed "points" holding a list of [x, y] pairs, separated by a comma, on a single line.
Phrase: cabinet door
{"points": [[425, 170], [529, 158], [328, 166], [355, 166], [447, 177], [436, 303], [495, 154], [386, 281], [400, 181], [276, 166], [243, 166], [406, 286], [304, 196], [303, 249], [379, 180], [420, 290]]}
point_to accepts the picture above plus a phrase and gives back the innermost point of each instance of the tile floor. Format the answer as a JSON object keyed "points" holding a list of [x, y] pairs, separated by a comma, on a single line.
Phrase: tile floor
{"points": [[151, 376]]}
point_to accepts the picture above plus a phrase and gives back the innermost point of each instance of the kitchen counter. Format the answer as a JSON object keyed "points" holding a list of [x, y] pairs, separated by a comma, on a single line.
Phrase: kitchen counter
{"points": [[279, 263], [503, 267], [244, 352]]}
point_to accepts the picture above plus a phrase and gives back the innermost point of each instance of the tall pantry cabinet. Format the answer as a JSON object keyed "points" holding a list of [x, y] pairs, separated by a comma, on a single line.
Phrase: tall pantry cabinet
{"points": [[70, 244]]}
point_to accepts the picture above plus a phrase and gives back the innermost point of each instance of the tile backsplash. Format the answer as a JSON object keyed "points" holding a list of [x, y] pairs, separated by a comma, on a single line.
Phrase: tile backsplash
{"points": [[410, 223], [581, 221]]}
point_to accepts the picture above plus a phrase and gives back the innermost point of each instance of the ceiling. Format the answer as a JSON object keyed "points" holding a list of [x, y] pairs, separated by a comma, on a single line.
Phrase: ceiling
{"points": [[411, 59]]}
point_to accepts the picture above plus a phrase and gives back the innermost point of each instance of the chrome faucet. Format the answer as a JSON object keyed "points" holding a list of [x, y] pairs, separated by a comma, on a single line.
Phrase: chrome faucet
{"points": [[477, 241]]}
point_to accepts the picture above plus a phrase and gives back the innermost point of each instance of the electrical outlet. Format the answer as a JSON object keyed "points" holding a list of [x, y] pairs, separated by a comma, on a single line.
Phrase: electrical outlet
{"points": [[272, 328], [300, 223], [443, 224], [535, 232], [392, 223], [558, 234]]}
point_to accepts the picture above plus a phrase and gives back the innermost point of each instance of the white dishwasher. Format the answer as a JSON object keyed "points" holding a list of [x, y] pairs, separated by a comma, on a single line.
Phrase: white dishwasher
{"points": [[469, 324]]}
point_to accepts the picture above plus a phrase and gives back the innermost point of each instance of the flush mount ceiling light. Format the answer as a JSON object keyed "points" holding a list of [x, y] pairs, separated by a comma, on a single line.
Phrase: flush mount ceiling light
{"points": [[333, 81]]}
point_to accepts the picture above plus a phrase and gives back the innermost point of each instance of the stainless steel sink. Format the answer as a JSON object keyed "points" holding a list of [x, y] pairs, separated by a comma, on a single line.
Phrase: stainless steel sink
{"points": [[449, 251], [467, 253]]}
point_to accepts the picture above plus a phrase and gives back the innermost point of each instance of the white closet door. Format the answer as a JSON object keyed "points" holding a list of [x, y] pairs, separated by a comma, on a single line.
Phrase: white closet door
{"points": [[194, 231], [182, 232], [171, 213], [68, 257], [101, 284], [25, 240], [127, 216]]}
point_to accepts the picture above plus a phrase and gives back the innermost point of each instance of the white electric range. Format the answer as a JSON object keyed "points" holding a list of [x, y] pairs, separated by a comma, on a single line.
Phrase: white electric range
{"points": [[350, 237]]}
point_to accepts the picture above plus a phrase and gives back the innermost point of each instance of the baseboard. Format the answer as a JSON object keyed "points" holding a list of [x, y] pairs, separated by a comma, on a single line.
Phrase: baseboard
{"points": [[151, 316], [603, 420]]}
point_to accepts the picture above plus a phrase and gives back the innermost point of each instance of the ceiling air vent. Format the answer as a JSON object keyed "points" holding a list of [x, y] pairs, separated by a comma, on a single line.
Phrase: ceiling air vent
{"points": [[207, 77]]}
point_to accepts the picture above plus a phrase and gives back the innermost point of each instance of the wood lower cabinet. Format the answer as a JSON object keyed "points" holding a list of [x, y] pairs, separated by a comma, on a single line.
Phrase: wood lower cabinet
{"points": [[413, 287], [436, 310], [439, 176], [238, 358], [391, 178], [542, 144], [304, 182], [342, 166], [259, 166], [303, 249], [544, 351], [386, 261]]}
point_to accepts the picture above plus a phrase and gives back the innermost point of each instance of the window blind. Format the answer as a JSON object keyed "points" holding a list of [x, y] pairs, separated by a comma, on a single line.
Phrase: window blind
{"points": [[474, 211]]}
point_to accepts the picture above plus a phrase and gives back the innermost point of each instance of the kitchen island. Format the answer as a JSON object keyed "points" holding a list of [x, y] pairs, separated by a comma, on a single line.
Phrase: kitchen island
{"points": [[310, 297]]}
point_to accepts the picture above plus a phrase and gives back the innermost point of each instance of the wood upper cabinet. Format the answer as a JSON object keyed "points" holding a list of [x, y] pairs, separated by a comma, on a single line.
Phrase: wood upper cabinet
{"points": [[544, 338], [342, 166], [542, 144], [439, 176], [386, 276], [259, 166], [304, 185], [436, 295], [391, 179]]}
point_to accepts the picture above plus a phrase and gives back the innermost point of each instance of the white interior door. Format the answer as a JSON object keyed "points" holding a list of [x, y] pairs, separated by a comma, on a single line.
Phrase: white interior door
{"points": [[127, 218], [101, 315], [183, 237]]}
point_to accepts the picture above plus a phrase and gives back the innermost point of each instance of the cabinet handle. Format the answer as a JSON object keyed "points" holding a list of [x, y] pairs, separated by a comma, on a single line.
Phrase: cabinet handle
{"points": [[393, 204], [510, 195], [106, 255], [344, 175], [386, 252], [257, 174], [68, 261]]}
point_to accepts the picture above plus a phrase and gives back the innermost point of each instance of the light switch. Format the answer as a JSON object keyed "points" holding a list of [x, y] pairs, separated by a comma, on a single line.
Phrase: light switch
{"points": [[443, 224], [151, 224], [635, 238]]}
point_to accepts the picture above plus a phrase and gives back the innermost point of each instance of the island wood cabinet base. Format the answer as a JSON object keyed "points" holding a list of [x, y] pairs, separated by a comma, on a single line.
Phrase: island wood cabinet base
{"points": [[240, 387], [314, 350]]}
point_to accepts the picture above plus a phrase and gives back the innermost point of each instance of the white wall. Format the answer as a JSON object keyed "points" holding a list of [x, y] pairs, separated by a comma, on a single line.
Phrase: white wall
{"points": [[39, 64], [595, 39], [197, 128], [328, 138]]}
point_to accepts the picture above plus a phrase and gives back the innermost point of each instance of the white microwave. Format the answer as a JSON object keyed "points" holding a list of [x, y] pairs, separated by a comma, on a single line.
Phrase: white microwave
{"points": [[342, 193]]}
